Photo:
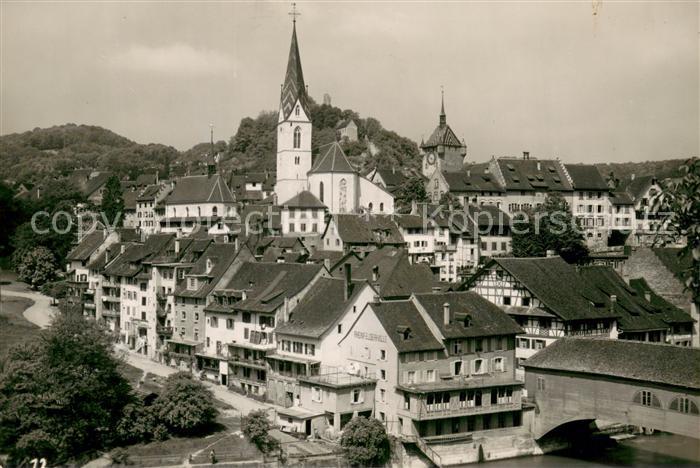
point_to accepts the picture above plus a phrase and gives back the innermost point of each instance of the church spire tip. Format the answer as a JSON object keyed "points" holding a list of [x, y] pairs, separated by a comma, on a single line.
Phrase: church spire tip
{"points": [[443, 117]]}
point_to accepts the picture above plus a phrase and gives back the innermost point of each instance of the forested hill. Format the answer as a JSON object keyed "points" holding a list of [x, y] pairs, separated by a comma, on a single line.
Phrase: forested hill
{"points": [[624, 171], [254, 144], [31, 157]]}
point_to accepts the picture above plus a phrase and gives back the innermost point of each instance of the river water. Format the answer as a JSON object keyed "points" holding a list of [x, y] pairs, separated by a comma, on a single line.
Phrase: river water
{"points": [[657, 449]]}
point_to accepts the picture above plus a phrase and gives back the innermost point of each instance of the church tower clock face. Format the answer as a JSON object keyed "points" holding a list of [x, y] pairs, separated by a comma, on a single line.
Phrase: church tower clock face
{"points": [[431, 158]]}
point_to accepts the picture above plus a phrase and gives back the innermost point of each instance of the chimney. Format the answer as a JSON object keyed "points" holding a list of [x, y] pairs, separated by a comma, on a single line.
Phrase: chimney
{"points": [[632, 177], [613, 301], [285, 312], [526, 155], [414, 207], [177, 245], [327, 263], [446, 313], [178, 233], [539, 166], [436, 289], [375, 273], [235, 243], [347, 283], [469, 172], [551, 253], [393, 169]]}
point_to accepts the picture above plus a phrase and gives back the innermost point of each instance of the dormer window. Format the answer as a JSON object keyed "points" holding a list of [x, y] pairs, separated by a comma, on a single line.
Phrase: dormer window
{"points": [[210, 265], [467, 321], [192, 284]]}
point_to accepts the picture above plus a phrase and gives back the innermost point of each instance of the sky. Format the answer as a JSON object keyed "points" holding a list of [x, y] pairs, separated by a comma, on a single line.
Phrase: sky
{"points": [[588, 81]]}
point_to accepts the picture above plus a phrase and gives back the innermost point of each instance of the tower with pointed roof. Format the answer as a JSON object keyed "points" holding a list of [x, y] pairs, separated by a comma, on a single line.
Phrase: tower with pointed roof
{"points": [[443, 151], [293, 129]]}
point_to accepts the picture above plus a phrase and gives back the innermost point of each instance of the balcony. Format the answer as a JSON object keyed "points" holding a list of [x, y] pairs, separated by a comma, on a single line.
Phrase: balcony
{"points": [[110, 313], [162, 330], [116, 299], [457, 408], [89, 305], [237, 360]]}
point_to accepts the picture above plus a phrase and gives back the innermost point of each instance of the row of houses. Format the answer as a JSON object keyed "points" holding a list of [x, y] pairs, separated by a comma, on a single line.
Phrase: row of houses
{"points": [[364, 332]]}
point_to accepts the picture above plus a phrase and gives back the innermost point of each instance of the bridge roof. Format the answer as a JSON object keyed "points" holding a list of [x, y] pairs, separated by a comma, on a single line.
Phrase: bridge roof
{"points": [[634, 360]]}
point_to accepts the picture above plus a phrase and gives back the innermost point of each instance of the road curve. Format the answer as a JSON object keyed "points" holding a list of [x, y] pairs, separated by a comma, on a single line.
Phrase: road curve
{"points": [[41, 312]]}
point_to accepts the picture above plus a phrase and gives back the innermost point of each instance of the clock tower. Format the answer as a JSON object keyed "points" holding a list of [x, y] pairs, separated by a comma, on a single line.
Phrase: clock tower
{"points": [[443, 151]]}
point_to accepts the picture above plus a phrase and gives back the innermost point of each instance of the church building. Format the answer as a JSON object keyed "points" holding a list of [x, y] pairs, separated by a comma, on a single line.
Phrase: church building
{"points": [[331, 179], [443, 151]]}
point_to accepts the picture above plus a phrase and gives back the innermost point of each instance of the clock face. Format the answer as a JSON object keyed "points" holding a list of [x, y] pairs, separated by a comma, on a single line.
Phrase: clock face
{"points": [[431, 158]]}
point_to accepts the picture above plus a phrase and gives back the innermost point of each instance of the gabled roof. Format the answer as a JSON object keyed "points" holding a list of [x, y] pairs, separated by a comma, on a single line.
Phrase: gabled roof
{"points": [[332, 159], [484, 318], [635, 313], [669, 312], [129, 197], [586, 177], [322, 305], [644, 362], [200, 189], [557, 285], [303, 199], [129, 263], [87, 246], [474, 178], [442, 135], [146, 179], [343, 123], [621, 198], [397, 277], [219, 257], [405, 326], [94, 184], [524, 175], [487, 215], [294, 89], [391, 177], [638, 186], [268, 284], [150, 192], [367, 229]]}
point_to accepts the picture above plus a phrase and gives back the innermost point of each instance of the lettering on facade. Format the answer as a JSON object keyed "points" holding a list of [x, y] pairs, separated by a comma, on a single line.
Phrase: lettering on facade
{"points": [[370, 336]]}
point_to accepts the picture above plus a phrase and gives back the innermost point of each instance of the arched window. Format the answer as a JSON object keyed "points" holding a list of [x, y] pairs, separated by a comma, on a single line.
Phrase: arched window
{"points": [[342, 195], [381, 207], [297, 137], [199, 211], [683, 405], [320, 191], [296, 111], [647, 398], [214, 211], [370, 206]]}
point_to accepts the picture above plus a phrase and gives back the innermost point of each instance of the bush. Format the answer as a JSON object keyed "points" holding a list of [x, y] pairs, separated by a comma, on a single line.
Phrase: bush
{"points": [[365, 442], [256, 426], [185, 407]]}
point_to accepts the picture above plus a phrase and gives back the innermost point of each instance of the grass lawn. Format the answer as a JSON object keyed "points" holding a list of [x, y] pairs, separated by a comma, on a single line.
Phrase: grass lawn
{"points": [[227, 444], [14, 328]]}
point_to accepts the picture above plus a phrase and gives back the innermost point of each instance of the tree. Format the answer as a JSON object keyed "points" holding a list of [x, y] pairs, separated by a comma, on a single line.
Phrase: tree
{"points": [[56, 289], [550, 227], [137, 424], [62, 395], [35, 266], [680, 199], [185, 406], [412, 190], [256, 426], [365, 442], [113, 202], [448, 200]]}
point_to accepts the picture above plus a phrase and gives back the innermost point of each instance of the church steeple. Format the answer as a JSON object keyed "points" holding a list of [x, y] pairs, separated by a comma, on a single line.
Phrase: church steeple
{"points": [[293, 89], [443, 117]]}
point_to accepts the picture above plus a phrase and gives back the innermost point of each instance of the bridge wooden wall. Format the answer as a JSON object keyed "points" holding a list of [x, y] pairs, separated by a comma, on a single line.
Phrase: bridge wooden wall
{"points": [[569, 396]]}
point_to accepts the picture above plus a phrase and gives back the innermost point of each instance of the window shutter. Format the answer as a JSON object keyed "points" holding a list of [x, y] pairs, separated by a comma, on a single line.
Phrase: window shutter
{"points": [[637, 398], [674, 405], [655, 401], [505, 363]]}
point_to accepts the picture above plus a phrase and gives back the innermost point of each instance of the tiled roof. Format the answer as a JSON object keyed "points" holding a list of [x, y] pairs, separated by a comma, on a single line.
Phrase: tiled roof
{"points": [[674, 263], [391, 177], [644, 362], [294, 88], [485, 318], [412, 221], [334, 257], [128, 235], [474, 178], [487, 215], [94, 184], [635, 313], [637, 186], [621, 198], [442, 135], [129, 197], [150, 192], [669, 312], [586, 177], [332, 159], [405, 326], [200, 189], [558, 286], [109, 254], [146, 179], [397, 277], [129, 263], [303, 199], [268, 284], [524, 175], [221, 257], [368, 229], [320, 308], [87, 246]]}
